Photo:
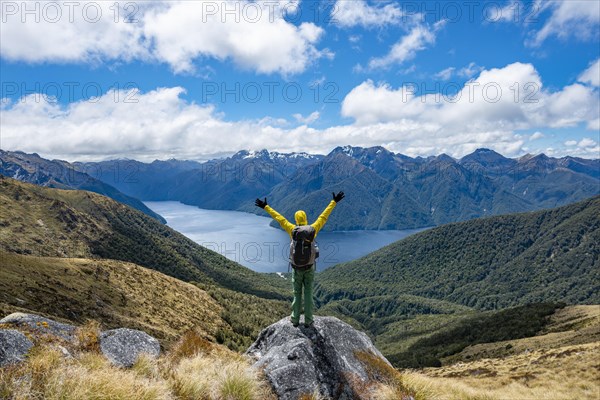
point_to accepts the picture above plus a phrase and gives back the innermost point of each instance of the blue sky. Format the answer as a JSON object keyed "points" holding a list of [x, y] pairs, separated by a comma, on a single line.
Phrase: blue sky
{"points": [[202, 79]]}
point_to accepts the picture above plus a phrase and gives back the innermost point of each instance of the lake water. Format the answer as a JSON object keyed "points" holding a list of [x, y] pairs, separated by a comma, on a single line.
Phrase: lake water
{"points": [[251, 241]]}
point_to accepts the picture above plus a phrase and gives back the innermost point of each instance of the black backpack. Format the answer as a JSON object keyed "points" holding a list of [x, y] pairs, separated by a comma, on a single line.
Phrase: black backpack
{"points": [[303, 249]]}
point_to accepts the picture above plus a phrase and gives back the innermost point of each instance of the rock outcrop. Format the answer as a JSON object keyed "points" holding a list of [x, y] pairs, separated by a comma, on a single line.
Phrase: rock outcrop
{"points": [[123, 346], [324, 358], [14, 346], [40, 325]]}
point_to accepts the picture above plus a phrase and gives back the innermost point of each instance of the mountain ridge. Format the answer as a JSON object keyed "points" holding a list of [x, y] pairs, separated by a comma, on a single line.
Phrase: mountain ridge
{"points": [[390, 190]]}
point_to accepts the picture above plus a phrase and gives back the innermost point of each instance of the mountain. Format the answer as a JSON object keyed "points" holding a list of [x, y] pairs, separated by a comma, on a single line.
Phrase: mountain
{"points": [[489, 263], [226, 184], [69, 223], [233, 183], [385, 190], [392, 191], [59, 174], [146, 181]]}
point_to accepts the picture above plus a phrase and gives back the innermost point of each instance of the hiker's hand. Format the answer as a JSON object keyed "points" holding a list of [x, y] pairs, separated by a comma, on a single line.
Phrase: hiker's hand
{"points": [[338, 197], [260, 203]]}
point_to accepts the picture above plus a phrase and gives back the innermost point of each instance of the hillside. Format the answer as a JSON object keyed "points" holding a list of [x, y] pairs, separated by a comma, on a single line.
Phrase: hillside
{"points": [[117, 294], [113, 293], [60, 174], [443, 280], [560, 362], [67, 223], [488, 263]]}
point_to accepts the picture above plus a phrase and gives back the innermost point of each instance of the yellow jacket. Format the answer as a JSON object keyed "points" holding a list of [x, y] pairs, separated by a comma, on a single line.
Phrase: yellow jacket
{"points": [[301, 218]]}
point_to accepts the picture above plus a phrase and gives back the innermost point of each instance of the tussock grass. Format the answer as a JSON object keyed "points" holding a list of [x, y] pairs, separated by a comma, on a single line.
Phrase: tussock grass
{"points": [[217, 377], [569, 372], [311, 396], [192, 370], [88, 336], [387, 381]]}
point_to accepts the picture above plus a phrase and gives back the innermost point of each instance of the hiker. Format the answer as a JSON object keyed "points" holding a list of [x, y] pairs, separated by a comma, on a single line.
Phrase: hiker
{"points": [[303, 252]]}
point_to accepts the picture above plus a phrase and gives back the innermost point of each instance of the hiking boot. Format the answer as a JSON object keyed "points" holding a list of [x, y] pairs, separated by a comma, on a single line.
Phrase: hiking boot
{"points": [[295, 323], [309, 325]]}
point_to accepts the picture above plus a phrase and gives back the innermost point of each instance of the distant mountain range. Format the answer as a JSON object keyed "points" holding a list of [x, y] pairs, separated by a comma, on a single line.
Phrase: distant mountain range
{"points": [[385, 190], [60, 174]]}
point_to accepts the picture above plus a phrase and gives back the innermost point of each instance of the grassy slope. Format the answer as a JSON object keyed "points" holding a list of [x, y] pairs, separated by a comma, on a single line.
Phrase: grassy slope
{"points": [[52, 222], [120, 294], [115, 293], [560, 363], [489, 263]]}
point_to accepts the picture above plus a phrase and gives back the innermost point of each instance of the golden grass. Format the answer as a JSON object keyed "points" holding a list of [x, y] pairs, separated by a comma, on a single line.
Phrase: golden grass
{"points": [[569, 326], [385, 382], [566, 373], [211, 375], [88, 336], [117, 293], [217, 377]]}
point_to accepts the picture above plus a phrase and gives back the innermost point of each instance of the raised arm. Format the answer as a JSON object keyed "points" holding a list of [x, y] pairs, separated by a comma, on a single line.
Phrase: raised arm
{"points": [[320, 222], [285, 224]]}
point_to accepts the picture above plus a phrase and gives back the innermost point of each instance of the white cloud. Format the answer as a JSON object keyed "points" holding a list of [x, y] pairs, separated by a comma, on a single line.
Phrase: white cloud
{"points": [[81, 38], [536, 136], [470, 70], [488, 108], [348, 14], [419, 37], [163, 124], [309, 119], [586, 147], [587, 142], [592, 74], [254, 36], [578, 18], [466, 72], [445, 74]]}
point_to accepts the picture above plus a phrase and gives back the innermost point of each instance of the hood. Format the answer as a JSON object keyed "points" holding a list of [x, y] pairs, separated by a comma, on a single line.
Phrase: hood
{"points": [[300, 217]]}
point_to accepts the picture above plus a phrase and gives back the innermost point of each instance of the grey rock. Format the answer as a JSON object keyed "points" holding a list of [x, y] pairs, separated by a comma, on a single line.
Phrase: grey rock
{"points": [[13, 347], [123, 346], [321, 358], [40, 325]]}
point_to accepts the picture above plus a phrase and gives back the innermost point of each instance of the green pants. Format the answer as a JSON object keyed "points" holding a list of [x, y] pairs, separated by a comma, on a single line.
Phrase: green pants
{"points": [[303, 282]]}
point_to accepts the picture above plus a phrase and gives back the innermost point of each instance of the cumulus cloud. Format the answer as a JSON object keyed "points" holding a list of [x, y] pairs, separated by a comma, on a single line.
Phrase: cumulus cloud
{"points": [[466, 72], [446, 74], [490, 108], [309, 119], [512, 97], [569, 18], [348, 14], [592, 74], [586, 147], [162, 124], [536, 136], [419, 38], [254, 35]]}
